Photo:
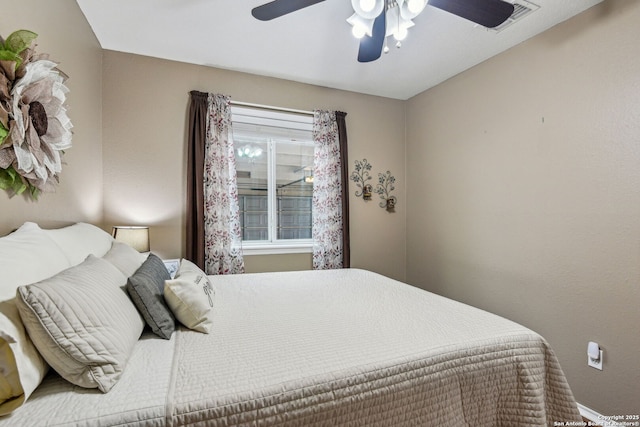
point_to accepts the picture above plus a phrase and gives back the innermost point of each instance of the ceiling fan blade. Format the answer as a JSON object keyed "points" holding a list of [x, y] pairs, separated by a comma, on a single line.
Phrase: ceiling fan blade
{"points": [[278, 8], [488, 13], [371, 47]]}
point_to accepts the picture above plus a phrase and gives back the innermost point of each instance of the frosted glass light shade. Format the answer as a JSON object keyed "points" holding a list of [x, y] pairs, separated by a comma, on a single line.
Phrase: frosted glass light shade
{"points": [[360, 25], [409, 9], [371, 13], [367, 5], [416, 6]]}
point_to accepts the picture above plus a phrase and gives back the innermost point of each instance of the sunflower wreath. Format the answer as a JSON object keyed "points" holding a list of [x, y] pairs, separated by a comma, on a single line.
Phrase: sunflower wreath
{"points": [[34, 126]]}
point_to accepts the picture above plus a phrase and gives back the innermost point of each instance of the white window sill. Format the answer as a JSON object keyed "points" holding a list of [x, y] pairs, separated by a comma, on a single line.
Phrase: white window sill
{"points": [[276, 248]]}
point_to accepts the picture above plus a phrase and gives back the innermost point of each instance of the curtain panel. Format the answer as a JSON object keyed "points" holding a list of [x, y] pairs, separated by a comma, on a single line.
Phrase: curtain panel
{"points": [[330, 228], [344, 185], [213, 218], [197, 135]]}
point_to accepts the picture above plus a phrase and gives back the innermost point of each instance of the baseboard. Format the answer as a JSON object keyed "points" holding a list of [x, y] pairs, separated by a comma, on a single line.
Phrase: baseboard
{"points": [[595, 417], [589, 414]]}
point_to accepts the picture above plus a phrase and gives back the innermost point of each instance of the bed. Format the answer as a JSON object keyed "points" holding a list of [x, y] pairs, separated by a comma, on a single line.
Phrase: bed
{"points": [[323, 348]]}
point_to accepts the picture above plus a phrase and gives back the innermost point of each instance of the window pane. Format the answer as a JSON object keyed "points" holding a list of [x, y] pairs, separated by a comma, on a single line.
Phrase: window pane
{"points": [[274, 164], [294, 169], [251, 167]]}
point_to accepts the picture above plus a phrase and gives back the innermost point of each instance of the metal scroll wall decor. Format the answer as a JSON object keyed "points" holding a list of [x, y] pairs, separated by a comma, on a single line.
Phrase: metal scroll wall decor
{"points": [[383, 188], [360, 176]]}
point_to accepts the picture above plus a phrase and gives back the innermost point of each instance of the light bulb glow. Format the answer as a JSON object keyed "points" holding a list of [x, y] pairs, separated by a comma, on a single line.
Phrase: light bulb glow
{"points": [[401, 34], [416, 6], [367, 5], [358, 31]]}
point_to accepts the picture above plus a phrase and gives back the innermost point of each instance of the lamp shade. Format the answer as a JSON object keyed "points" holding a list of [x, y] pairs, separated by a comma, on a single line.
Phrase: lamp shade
{"points": [[135, 236]]}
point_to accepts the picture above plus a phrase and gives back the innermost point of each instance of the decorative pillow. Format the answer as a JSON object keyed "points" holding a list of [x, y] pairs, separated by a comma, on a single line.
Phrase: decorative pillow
{"points": [[125, 258], [79, 240], [21, 365], [145, 288], [82, 322], [190, 297]]}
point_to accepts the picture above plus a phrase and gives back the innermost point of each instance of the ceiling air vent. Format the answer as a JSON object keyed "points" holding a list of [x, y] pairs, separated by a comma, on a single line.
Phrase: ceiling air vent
{"points": [[521, 9]]}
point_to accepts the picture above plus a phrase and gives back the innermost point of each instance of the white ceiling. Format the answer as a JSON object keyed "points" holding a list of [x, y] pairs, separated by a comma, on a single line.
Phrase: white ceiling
{"points": [[313, 45]]}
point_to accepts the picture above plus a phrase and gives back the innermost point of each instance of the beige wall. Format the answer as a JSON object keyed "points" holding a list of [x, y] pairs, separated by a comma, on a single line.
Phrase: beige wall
{"points": [[523, 175], [145, 104], [525, 180], [68, 39]]}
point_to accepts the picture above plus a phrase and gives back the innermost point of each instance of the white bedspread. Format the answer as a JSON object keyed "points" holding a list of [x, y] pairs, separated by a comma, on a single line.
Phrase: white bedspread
{"points": [[351, 347], [138, 398], [342, 347]]}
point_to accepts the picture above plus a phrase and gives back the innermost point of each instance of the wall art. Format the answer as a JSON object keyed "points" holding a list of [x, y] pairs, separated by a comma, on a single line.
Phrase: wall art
{"points": [[34, 126], [360, 176], [384, 188]]}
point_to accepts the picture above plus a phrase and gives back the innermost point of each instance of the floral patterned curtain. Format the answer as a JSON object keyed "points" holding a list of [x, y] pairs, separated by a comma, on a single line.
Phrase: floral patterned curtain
{"points": [[327, 193], [223, 238]]}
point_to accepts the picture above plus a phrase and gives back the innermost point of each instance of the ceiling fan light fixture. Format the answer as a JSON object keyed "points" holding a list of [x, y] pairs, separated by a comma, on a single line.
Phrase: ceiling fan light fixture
{"points": [[368, 9], [416, 6], [401, 34], [409, 9], [360, 26], [367, 5], [249, 151], [397, 25], [358, 32]]}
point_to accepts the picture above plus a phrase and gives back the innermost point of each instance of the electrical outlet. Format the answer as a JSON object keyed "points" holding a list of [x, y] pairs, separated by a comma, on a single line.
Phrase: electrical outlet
{"points": [[595, 363]]}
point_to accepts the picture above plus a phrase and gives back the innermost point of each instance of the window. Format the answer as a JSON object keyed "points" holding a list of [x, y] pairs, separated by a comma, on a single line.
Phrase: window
{"points": [[274, 165]]}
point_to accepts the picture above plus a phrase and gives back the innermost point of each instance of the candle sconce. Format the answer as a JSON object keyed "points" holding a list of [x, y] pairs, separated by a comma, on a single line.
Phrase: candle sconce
{"points": [[384, 188], [366, 192], [360, 176]]}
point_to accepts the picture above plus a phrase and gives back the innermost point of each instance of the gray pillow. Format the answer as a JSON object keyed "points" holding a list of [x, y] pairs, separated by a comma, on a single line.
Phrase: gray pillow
{"points": [[145, 288]]}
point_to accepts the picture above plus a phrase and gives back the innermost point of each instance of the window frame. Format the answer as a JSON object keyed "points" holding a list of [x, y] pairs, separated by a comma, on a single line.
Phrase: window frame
{"points": [[278, 118]]}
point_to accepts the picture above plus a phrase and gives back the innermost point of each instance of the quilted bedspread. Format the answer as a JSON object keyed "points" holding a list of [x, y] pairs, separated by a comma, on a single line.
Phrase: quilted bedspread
{"points": [[327, 348], [351, 347]]}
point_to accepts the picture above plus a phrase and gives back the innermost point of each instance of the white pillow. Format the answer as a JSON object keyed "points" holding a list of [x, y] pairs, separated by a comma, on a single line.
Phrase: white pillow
{"points": [[79, 240], [82, 322], [190, 297], [125, 258], [28, 255]]}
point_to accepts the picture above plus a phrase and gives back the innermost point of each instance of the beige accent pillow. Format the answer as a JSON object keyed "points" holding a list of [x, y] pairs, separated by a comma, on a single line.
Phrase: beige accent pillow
{"points": [[190, 296], [21, 365], [82, 322], [125, 258]]}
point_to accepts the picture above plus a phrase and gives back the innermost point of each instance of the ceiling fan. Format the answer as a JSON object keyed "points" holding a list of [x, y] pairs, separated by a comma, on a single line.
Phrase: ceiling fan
{"points": [[488, 13]]}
